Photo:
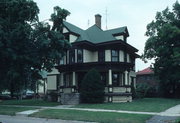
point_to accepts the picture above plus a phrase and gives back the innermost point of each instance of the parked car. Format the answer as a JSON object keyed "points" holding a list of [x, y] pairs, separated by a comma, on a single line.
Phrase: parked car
{"points": [[5, 97], [28, 94]]}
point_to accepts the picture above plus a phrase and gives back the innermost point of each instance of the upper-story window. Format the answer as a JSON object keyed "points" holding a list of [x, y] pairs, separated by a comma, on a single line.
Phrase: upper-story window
{"points": [[79, 55], [101, 56], [72, 56], [114, 55]]}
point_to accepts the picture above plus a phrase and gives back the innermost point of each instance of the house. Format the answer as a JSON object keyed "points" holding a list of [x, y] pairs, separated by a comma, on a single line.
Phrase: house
{"points": [[146, 76], [105, 50], [147, 79]]}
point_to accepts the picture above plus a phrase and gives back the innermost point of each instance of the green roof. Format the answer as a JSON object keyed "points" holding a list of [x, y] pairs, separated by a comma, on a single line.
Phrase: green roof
{"points": [[94, 34]]}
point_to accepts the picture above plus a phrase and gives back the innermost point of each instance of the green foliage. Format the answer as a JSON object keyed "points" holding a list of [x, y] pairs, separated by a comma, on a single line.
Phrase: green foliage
{"points": [[163, 45], [28, 46], [145, 90], [92, 88]]}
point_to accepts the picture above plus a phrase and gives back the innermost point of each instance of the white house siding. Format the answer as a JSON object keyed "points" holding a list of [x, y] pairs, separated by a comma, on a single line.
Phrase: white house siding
{"points": [[121, 56], [95, 56], [87, 56], [72, 38], [52, 79], [65, 30], [90, 56], [107, 55], [51, 82], [120, 37], [128, 58]]}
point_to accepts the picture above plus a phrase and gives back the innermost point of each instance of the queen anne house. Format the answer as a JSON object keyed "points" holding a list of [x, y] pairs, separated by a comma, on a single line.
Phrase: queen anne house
{"points": [[105, 50]]}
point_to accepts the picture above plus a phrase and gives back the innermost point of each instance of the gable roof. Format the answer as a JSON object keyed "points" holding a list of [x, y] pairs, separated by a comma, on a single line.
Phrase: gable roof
{"points": [[145, 71], [94, 34]]}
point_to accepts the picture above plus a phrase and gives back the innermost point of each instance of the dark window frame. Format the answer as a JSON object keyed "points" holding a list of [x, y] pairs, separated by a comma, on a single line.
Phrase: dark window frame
{"points": [[71, 56], [114, 56], [103, 76], [101, 56], [115, 84], [80, 60]]}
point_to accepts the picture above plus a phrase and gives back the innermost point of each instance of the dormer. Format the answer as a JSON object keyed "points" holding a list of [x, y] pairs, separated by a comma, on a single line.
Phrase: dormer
{"points": [[70, 36]]}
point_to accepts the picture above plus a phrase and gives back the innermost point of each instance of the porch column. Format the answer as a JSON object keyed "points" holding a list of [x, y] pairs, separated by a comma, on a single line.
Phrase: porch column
{"points": [[126, 77], [74, 79], [110, 77]]}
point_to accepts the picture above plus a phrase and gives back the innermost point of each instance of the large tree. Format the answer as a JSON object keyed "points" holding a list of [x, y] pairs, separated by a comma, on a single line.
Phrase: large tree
{"points": [[28, 46], [163, 45]]}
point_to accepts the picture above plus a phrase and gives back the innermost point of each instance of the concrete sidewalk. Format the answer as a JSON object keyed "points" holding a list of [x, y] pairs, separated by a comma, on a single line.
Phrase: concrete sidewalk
{"points": [[162, 117], [174, 111], [21, 119]]}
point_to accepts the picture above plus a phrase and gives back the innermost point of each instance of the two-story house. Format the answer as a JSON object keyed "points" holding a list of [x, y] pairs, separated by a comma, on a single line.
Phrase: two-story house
{"points": [[105, 50]]}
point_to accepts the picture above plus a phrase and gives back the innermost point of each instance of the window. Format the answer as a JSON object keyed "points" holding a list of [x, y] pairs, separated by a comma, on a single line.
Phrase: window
{"points": [[101, 56], [72, 56], [114, 55], [103, 78], [79, 55], [67, 80], [115, 79]]}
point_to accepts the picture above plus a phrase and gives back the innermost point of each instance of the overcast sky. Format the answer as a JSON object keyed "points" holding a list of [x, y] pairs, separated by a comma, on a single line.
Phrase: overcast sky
{"points": [[135, 14]]}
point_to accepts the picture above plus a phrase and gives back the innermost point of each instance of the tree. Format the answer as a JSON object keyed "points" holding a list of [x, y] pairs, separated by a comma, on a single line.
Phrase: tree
{"points": [[28, 46], [92, 88], [163, 45]]}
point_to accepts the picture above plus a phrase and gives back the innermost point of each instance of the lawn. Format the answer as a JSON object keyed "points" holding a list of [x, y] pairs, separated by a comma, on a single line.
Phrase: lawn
{"points": [[7, 110], [101, 117], [29, 102], [146, 105]]}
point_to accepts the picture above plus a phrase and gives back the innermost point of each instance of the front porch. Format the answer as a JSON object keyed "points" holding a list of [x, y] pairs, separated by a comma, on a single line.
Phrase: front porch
{"points": [[117, 86]]}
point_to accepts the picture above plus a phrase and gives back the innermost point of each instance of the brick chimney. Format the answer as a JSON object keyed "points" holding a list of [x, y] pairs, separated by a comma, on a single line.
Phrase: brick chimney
{"points": [[98, 20]]}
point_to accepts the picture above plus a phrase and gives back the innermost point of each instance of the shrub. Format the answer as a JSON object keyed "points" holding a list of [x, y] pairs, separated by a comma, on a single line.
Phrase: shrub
{"points": [[141, 90], [145, 90], [92, 88]]}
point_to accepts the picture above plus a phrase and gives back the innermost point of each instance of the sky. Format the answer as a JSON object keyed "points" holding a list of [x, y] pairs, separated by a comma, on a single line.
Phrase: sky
{"points": [[135, 14]]}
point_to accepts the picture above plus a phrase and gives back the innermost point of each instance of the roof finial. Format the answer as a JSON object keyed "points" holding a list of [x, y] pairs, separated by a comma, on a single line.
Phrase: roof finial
{"points": [[106, 18]]}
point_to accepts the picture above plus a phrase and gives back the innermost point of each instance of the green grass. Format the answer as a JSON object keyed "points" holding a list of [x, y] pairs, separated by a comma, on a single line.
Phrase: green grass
{"points": [[101, 117], [177, 120], [146, 105], [29, 102], [7, 110]]}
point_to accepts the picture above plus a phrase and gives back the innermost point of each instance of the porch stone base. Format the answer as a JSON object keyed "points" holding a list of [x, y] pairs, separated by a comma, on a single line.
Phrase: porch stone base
{"points": [[70, 98]]}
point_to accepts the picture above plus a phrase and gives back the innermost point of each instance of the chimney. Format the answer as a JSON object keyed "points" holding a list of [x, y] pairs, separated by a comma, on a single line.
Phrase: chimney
{"points": [[98, 20]]}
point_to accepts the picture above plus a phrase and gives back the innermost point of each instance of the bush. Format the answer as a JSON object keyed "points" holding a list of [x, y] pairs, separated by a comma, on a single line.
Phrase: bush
{"points": [[145, 90], [53, 96], [92, 88]]}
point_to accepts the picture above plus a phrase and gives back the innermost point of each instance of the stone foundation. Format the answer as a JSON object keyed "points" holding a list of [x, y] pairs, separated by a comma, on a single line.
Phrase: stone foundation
{"points": [[70, 98]]}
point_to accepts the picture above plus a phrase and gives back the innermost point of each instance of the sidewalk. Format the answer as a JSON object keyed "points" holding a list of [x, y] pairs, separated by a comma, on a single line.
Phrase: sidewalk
{"points": [[172, 112], [167, 116], [21, 119], [163, 117]]}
